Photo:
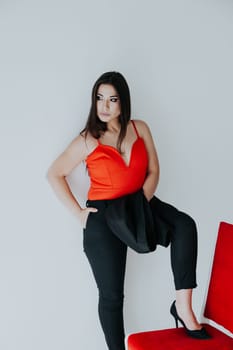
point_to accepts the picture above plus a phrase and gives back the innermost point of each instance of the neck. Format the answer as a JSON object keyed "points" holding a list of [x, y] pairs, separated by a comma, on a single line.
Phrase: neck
{"points": [[114, 126]]}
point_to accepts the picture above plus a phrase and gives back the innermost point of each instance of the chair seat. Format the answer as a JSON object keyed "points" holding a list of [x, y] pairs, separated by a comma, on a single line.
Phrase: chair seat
{"points": [[174, 338]]}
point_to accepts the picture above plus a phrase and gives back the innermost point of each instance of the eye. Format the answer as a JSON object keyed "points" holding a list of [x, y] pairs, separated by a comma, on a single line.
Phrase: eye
{"points": [[114, 99], [98, 98]]}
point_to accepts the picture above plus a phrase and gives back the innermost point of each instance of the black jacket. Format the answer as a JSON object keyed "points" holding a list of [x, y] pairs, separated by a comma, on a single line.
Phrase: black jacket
{"points": [[138, 223]]}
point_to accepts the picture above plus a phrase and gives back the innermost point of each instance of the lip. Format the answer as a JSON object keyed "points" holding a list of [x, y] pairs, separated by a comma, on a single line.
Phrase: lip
{"points": [[105, 114]]}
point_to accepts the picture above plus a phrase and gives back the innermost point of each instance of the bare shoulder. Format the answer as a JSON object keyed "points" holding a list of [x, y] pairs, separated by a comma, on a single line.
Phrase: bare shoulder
{"points": [[84, 144], [145, 133], [88, 142], [142, 127], [76, 152]]}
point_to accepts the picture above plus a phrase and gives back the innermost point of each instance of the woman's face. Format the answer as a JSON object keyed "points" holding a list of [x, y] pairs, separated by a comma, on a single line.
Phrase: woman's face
{"points": [[107, 103]]}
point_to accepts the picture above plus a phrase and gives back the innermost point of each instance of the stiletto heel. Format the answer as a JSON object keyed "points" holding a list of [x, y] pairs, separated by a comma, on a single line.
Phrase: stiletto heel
{"points": [[197, 334]]}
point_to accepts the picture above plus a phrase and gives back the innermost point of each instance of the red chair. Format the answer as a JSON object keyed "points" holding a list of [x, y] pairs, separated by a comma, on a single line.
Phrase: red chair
{"points": [[218, 308]]}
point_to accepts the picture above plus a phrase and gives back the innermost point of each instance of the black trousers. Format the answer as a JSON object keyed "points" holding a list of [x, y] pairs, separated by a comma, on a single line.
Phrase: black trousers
{"points": [[107, 257]]}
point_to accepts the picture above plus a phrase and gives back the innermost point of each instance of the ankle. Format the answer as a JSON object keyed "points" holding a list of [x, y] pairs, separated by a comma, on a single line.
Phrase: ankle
{"points": [[183, 307], [186, 313]]}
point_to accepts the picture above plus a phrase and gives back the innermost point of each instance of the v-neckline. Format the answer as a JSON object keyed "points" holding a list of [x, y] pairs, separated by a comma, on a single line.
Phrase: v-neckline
{"points": [[127, 165]]}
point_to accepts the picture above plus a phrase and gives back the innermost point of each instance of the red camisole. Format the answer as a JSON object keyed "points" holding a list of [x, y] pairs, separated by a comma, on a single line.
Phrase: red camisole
{"points": [[110, 176]]}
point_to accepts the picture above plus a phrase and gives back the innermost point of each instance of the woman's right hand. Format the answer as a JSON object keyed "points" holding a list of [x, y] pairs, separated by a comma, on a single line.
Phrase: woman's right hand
{"points": [[84, 213]]}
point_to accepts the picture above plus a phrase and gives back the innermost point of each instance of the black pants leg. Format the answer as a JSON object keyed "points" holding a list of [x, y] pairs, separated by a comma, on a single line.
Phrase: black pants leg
{"points": [[107, 257], [183, 244]]}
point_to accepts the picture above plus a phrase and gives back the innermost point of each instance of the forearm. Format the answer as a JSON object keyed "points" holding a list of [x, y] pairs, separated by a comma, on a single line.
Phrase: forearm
{"points": [[63, 193], [150, 184]]}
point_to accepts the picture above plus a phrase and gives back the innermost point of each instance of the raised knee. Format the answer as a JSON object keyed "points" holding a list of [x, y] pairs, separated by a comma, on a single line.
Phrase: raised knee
{"points": [[186, 221]]}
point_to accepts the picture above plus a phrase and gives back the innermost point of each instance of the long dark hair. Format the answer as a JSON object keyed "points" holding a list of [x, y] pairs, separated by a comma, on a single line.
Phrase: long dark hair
{"points": [[94, 125]]}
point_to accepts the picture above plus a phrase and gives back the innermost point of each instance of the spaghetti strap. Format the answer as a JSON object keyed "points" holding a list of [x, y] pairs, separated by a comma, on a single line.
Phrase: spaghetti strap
{"points": [[135, 128]]}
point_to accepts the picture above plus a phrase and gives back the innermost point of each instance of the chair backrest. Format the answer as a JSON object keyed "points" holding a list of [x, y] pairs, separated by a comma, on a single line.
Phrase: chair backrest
{"points": [[219, 302]]}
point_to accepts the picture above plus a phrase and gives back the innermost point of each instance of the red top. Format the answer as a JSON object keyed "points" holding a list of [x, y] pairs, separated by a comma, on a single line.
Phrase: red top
{"points": [[110, 176]]}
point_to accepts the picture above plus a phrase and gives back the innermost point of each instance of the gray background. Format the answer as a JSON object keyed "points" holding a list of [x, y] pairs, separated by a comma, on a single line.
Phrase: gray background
{"points": [[177, 57]]}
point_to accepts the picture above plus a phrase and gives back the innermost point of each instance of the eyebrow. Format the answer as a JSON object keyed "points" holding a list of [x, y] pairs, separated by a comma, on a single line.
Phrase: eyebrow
{"points": [[109, 96]]}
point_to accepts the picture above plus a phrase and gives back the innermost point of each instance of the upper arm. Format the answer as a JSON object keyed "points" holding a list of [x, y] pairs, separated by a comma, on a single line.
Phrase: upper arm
{"points": [[73, 155], [145, 133]]}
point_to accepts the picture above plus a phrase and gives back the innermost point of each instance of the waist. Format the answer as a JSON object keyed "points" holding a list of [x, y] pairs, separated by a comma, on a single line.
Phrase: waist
{"points": [[99, 203], [105, 202], [108, 194]]}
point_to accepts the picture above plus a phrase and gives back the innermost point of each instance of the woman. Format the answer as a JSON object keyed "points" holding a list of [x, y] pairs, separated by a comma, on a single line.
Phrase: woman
{"points": [[121, 159]]}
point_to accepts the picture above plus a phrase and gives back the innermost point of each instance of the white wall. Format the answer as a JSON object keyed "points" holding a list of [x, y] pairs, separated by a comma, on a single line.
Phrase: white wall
{"points": [[177, 57]]}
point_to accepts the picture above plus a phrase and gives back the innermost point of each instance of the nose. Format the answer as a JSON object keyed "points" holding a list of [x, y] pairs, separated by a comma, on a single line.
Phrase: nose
{"points": [[105, 104]]}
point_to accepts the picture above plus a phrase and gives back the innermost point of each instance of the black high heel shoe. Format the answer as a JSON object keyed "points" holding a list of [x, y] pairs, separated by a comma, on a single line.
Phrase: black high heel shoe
{"points": [[197, 334]]}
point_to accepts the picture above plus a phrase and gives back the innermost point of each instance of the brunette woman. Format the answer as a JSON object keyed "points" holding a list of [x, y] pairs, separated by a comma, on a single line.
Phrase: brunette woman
{"points": [[121, 158]]}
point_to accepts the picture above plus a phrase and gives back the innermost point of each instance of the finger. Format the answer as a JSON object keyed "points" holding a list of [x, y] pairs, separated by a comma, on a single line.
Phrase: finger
{"points": [[93, 210]]}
